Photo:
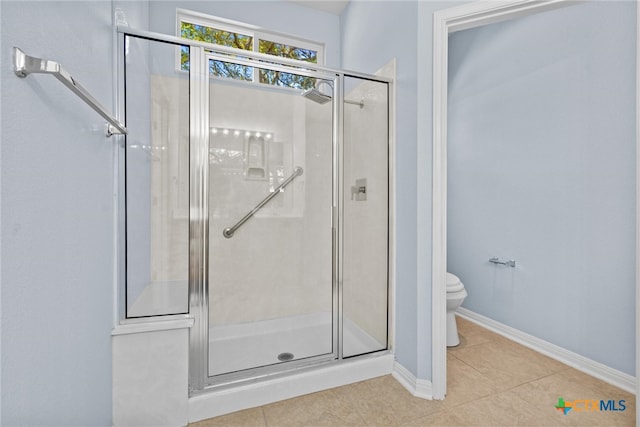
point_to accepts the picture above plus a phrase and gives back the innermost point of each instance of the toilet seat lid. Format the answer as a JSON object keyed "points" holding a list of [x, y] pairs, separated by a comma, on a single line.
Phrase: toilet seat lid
{"points": [[453, 283]]}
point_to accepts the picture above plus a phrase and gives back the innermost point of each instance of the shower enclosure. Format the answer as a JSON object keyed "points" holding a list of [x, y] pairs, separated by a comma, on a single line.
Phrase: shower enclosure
{"points": [[256, 200]]}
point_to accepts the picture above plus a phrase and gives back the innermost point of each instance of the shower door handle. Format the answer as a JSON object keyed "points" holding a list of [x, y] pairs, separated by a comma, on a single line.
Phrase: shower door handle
{"points": [[228, 232]]}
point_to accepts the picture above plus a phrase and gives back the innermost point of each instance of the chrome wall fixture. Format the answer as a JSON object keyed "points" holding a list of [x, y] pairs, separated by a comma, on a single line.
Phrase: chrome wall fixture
{"points": [[510, 263], [228, 232], [315, 95], [25, 65]]}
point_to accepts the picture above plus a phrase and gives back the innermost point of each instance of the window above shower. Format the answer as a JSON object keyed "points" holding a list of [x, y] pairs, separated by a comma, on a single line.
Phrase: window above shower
{"points": [[210, 29]]}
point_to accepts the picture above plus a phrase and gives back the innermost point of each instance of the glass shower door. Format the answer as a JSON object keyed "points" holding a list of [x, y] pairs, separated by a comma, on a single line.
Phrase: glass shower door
{"points": [[365, 225], [271, 192]]}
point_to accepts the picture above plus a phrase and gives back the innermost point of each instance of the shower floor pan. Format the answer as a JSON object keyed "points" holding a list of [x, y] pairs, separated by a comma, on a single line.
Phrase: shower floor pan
{"points": [[234, 348]]}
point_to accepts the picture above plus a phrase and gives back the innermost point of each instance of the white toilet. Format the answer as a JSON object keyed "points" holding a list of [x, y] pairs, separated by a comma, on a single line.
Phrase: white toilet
{"points": [[455, 295]]}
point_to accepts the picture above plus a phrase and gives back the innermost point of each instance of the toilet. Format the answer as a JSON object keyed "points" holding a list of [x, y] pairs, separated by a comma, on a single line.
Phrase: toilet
{"points": [[455, 295]]}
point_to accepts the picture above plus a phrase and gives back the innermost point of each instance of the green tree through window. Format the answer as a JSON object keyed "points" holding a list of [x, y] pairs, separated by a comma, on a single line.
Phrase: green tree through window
{"points": [[220, 37], [279, 78], [242, 41]]}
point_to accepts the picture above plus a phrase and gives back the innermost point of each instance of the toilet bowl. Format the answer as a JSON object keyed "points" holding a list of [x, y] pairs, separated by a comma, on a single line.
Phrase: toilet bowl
{"points": [[455, 295]]}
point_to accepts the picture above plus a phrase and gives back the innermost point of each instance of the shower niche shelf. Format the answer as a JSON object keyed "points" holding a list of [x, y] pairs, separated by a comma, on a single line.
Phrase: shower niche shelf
{"points": [[255, 152]]}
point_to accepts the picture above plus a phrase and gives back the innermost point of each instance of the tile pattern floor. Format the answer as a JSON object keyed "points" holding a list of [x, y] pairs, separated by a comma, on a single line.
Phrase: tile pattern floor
{"points": [[492, 381]]}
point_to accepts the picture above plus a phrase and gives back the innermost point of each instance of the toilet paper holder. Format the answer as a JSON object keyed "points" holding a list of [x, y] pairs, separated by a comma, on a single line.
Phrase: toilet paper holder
{"points": [[496, 260]]}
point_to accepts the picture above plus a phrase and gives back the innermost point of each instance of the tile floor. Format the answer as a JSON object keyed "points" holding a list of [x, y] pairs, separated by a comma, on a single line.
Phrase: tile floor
{"points": [[492, 381]]}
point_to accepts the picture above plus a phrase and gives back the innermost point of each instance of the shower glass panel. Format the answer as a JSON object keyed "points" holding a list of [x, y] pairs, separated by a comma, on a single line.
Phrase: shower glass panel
{"points": [[365, 216], [271, 292], [157, 180], [259, 209]]}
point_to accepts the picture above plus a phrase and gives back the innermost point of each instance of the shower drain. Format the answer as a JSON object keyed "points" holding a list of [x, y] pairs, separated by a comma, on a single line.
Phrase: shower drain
{"points": [[283, 357]]}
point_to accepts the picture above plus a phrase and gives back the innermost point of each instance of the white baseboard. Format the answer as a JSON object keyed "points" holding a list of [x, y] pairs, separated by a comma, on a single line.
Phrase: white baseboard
{"points": [[417, 387], [581, 363]]}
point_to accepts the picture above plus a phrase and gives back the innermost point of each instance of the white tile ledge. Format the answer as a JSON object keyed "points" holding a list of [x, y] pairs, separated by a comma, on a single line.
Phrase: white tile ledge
{"points": [[139, 327], [214, 403]]}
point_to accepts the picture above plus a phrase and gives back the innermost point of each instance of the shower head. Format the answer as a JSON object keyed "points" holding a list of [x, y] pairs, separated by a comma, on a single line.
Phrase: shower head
{"points": [[316, 96]]}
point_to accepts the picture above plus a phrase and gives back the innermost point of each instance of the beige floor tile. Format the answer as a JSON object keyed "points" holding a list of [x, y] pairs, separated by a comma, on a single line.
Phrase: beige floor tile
{"points": [[325, 408], [441, 418], [253, 417], [572, 385], [508, 364], [465, 383], [384, 402], [502, 409], [471, 334]]}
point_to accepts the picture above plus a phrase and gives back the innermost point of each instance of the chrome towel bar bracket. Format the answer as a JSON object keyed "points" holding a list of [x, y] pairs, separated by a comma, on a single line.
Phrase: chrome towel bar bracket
{"points": [[496, 260], [25, 65]]}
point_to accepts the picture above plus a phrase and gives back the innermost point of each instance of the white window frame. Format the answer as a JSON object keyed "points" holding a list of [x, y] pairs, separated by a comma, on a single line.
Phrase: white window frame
{"points": [[198, 18]]}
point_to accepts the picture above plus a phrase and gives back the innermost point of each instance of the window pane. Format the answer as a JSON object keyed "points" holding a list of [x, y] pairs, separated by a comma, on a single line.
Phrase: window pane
{"points": [[215, 36], [286, 51], [280, 78], [231, 70], [223, 38], [184, 58]]}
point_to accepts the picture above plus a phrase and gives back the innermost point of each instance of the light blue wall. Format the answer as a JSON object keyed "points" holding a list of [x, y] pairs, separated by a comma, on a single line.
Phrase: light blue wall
{"points": [[370, 40], [279, 16], [136, 12], [542, 170], [373, 33], [57, 219]]}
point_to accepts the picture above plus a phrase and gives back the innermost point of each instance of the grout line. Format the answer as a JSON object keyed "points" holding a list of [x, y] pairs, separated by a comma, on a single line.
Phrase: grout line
{"points": [[504, 388], [471, 366]]}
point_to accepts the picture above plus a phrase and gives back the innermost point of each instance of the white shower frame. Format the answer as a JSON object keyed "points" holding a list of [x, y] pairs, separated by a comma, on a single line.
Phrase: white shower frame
{"points": [[447, 21], [303, 377]]}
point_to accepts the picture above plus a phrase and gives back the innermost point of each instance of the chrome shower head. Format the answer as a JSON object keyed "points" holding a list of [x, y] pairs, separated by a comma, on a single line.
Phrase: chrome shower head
{"points": [[316, 96]]}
